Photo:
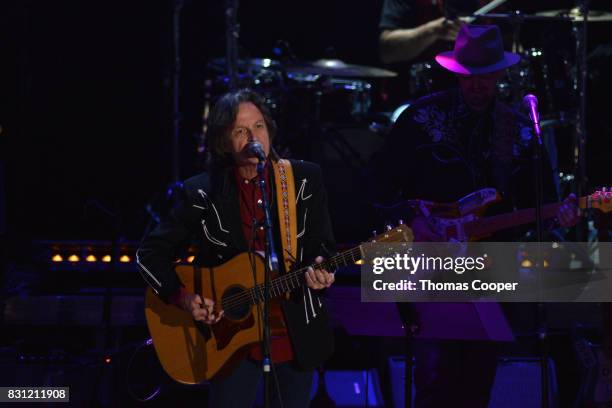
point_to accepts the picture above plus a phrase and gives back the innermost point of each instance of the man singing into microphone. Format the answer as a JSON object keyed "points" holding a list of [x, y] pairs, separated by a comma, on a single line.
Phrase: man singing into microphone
{"points": [[443, 147], [222, 209]]}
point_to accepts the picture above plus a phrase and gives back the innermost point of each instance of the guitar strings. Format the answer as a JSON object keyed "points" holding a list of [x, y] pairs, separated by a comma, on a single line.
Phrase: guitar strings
{"points": [[277, 285], [285, 281], [281, 284], [249, 295]]}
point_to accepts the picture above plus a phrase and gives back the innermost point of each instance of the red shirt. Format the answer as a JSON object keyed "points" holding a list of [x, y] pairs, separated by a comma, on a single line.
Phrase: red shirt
{"points": [[249, 195]]}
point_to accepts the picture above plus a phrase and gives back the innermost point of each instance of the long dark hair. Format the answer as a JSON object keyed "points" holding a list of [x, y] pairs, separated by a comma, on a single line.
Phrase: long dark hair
{"points": [[222, 118]]}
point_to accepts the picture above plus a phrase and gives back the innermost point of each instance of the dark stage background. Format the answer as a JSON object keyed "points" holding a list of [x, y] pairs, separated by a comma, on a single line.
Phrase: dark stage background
{"points": [[86, 122], [87, 108]]}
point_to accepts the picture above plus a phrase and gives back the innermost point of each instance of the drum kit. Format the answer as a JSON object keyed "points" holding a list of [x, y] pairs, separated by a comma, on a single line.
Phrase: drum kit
{"points": [[322, 90], [304, 96]]}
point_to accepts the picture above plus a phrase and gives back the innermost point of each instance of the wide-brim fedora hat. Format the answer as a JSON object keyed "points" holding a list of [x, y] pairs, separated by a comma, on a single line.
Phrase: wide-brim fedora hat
{"points": [[479, 49]]}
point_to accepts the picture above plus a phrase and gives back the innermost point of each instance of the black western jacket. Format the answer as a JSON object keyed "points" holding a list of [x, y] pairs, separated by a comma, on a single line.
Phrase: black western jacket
{"points": [[209, 212]]}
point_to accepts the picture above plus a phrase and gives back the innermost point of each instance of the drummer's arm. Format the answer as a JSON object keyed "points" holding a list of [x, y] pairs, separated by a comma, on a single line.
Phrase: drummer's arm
{"points": [[404, 44]]}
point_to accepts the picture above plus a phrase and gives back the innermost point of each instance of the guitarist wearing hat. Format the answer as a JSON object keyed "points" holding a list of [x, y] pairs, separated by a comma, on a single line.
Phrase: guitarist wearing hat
{"points": [[443, 147], [221, 210]]}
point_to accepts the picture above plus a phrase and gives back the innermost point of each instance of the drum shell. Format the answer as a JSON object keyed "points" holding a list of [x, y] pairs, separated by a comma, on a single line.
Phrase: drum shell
{"points": [[326, 99]]}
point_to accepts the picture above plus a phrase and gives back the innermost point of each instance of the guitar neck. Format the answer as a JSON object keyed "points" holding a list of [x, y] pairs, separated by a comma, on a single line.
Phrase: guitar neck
{"points": [[295, 279], [490, 225]]}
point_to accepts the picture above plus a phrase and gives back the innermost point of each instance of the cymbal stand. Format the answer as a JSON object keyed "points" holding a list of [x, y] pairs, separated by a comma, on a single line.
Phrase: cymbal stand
{"points": [[232, 33], [176, 81], [516, 21]]}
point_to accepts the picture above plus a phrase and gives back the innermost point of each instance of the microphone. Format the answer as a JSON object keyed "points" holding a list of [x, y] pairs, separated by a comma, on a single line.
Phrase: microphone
{"points": [[531, 103], [255, 149]]}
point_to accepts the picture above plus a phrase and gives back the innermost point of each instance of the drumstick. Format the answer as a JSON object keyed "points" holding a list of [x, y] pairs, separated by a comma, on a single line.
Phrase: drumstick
{"points": [[483, 10]]}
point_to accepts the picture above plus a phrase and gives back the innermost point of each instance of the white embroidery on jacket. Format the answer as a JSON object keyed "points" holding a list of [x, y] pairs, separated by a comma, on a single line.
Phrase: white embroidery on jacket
{"points": [[210, 237], [205, 197]]}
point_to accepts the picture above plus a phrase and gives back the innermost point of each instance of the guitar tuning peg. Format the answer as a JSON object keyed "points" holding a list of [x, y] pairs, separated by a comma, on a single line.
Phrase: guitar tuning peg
{"points": [[389, 227]]}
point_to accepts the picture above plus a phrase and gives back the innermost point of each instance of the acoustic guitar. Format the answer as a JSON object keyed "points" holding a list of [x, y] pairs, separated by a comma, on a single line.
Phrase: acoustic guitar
{"points": [[191, 352]]}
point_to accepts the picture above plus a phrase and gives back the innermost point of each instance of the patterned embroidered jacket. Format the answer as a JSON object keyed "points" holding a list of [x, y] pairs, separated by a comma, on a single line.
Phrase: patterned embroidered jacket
{"points": [[439, 150], [209, 211]]}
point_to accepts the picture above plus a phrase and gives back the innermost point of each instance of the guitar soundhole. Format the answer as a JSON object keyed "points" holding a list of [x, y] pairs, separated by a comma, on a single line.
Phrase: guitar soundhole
{"points": [[236, 303]]}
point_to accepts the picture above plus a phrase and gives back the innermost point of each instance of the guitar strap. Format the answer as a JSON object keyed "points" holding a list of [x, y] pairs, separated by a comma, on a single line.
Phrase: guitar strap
{"points": [[286, 203]]}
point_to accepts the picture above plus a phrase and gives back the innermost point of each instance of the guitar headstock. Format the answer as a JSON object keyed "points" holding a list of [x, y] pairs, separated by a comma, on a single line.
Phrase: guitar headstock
{"points": [[601, 200], [401, 233]]}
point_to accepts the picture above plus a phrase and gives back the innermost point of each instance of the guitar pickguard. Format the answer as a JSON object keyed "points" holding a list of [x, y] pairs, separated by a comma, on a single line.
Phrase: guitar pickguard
{"points": [[477, 200]]}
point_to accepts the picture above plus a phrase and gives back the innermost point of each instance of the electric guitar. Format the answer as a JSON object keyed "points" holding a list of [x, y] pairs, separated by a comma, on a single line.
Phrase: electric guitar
{"points": [[461, 221], [191, 352]]}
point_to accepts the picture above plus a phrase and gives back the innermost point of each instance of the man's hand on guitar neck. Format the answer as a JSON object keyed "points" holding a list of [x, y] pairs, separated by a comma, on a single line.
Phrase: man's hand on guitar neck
{"points": [[200, 311], [319, 278]]}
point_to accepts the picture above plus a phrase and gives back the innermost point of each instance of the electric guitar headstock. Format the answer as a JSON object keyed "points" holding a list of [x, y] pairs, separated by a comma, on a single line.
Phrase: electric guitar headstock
{"points": [[601, 200]]}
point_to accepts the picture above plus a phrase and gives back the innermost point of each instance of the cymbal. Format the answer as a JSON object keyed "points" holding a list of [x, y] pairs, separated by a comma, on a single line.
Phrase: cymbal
{"points": [[338, 68], [244, 65], [576, 16]]}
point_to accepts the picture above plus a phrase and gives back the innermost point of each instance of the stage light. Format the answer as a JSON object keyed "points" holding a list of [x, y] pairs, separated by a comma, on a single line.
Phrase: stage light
{"points": [[57, 258], [91, 258], [190, 258], [124, 259], [106, 258], [73, 258], [526, 263], [108, 360]]}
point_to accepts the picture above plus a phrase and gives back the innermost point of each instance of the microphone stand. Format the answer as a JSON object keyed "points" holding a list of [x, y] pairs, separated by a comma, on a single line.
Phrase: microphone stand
{"points": [[541, 312], [270, 263]]}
